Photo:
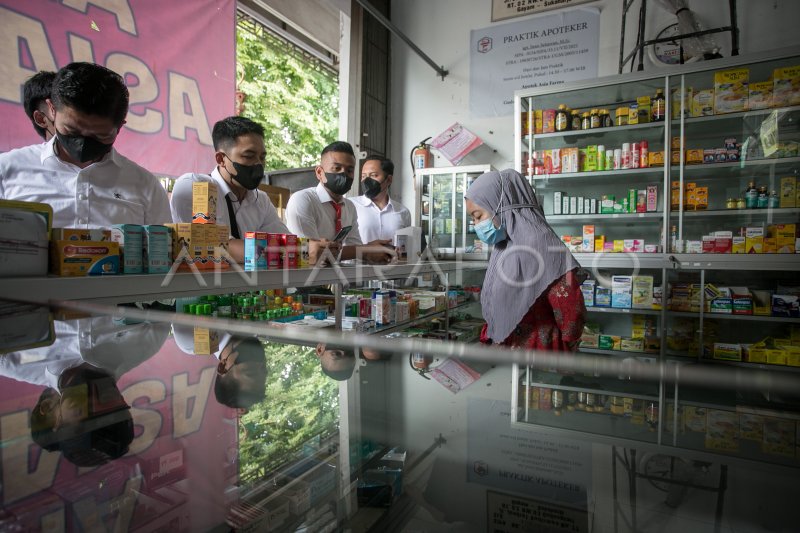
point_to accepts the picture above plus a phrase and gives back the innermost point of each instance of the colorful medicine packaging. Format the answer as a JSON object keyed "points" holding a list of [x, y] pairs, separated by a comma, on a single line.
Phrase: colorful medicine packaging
{"points": [[84, 258], [156, 249], [255, 250], [204, 202], [129, 238]]}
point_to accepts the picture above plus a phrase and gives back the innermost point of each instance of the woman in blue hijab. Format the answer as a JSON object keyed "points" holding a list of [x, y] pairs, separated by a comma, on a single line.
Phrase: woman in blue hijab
{"points": [[531, 296]]}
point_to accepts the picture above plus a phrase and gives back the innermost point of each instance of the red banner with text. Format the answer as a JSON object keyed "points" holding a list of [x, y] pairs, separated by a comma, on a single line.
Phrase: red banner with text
{"points": [[178, 59]]}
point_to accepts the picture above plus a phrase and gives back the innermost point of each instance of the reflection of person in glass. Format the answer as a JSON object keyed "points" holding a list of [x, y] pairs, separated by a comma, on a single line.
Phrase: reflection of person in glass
{"points": [[242, 369], [241, 373], [81, 411], [86, 417], [337, 362]]}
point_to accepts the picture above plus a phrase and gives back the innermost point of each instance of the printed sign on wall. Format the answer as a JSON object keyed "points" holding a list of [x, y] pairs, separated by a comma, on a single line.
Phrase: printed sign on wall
{"points": [[178, 59], [540, 466], [506, 9], [538, 52]]}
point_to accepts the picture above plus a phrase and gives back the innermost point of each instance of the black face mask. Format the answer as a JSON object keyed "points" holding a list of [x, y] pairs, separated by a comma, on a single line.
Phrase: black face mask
{"points": [[83, 149], [372, 187], [338, 183], [248, 176]]}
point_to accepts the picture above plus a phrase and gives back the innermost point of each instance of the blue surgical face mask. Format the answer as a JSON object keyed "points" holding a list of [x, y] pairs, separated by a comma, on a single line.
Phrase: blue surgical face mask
{"points": [[488, 233]]}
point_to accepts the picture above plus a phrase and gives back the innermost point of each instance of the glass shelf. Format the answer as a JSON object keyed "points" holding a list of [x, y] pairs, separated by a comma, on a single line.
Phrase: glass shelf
{"points": [[604, 133], [739, 213], [625, 174], [624, 311], [622, 217]]}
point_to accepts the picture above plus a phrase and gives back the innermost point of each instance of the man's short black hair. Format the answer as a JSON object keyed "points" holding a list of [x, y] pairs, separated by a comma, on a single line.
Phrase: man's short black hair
{"points": [[386, 164], [36, 90], [92, 90], [338, 146], [228, 391], [96, 440], [227, 130]]}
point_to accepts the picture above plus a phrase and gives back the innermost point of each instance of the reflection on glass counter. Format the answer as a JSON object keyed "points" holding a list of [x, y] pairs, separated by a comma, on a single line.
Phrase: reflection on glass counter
{"points": [[199, 423]]}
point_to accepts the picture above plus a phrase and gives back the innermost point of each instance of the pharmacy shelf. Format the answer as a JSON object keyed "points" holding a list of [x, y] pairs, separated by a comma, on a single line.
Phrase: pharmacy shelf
{"points": [[726, 316], [618, 353], [624, 175], [621, 217], [615, 310], [620, 260], [726, 170], [604, 133], [740, 213], [127, 288], [759, 114], [759, 366], [385, 330], [606, 386], [755, 262]]}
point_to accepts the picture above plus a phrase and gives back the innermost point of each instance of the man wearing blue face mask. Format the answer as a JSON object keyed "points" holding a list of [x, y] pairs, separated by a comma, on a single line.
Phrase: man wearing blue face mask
{"points": [[240, 156], [78, 171], [318, 213]]}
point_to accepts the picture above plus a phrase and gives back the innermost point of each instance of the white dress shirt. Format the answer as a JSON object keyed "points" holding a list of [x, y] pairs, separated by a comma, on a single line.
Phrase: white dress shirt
{"points": [[114, 190], [310, 214], [375, 223], [254, 213], [97, 341]]}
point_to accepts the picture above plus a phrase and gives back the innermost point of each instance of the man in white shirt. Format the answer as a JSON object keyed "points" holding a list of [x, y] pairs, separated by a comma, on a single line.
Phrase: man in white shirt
{"points": [[240, 156], [318, 213], [379, 217], [78, 172]]}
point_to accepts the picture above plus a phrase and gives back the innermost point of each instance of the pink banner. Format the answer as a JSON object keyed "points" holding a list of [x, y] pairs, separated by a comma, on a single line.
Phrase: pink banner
{"points": [[178, 59], [182, 459]]}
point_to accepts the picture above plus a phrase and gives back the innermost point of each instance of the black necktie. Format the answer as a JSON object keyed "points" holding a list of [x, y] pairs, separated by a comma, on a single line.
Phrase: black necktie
{"points": [[232, 218]]}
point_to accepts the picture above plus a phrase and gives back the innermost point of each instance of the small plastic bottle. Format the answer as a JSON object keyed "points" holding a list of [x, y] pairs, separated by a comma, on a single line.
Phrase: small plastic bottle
{"points": [[774, 200], [659, 106], [751, 196]]}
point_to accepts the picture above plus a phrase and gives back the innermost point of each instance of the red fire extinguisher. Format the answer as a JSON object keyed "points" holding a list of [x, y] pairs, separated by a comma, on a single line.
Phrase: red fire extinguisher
{"points": [[421, 156]]}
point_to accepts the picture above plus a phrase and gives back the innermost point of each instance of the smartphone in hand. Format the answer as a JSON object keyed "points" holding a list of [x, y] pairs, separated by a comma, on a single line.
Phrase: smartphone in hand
{"points": [[342, 234]]}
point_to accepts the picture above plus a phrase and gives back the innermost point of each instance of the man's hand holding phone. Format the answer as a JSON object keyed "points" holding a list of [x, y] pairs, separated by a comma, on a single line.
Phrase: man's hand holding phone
{"points": [[317, 250]]}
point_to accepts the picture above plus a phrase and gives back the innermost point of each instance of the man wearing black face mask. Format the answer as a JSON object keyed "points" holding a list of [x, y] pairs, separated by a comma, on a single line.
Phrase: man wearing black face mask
{"points": [[379, 217], [78, 171], [318, 213], [239, 157]]}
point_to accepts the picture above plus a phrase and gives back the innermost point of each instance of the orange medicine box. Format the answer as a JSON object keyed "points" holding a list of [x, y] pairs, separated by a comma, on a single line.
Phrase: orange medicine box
{"points": [[204, 202], [189, 244], [587, 244], [84, 258]]}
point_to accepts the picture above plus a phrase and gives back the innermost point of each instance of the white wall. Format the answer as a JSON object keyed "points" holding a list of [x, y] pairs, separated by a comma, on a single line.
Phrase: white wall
{"points": [[423, 105]]}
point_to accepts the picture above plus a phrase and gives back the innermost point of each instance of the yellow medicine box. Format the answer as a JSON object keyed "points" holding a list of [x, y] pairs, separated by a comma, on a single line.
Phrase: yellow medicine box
{"points": [[731, 91], [204, 202], [788, 192], [786, 86], [703, 103], [84, 258], [760, 95]]}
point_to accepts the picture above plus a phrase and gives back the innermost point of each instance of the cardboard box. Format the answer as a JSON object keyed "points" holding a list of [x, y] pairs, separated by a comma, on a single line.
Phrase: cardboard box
{"points": [[731, 91], [156, 249], [587, 243], [602, 296], [129, 237], [80, 234], [548, 120], [788, 192], [787, 305], [727, 352], [279, 196], [760, 96], [204, 202], [655, 158], [762, 302], [786, 86], [677, 101], [599, 243], [290, 252], [643, 109], [189, 245], [633, 114], [274, 252], [703, 103], [206, 341], [255, 250], [621, 287], [85, 258], [738, 245], [641, 201], [587, 290], [557, 199], [24, 236], [569, 160], [642, 292], [770, 246], [754, 245], [693, 157]]}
